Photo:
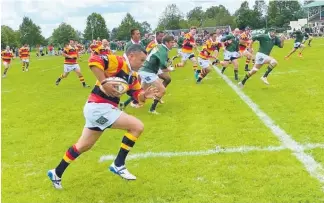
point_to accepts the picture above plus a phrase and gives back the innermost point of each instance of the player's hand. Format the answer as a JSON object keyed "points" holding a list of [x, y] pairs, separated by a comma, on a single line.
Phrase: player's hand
{"points": [[170, 68], [282, 37], [150, 92], [109, 89]]}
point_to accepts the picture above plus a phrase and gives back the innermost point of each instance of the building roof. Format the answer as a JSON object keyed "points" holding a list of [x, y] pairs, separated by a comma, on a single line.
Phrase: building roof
{"points": [[314, 4]]}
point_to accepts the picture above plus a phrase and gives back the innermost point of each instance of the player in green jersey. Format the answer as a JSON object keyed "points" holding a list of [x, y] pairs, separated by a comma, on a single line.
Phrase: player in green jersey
{"points": [[267, 42], [231, 52], [298, 44], [179, 43], [157, 60]]}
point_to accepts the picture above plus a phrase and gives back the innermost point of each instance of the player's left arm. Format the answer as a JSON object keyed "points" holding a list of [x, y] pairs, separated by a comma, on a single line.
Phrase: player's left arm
{"points": [[280, 42], [137, 93]]}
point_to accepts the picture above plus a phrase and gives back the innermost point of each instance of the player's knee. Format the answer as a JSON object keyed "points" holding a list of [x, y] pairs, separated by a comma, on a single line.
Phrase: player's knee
{"points": [[273, 62], [137, 128], [166, 81]]}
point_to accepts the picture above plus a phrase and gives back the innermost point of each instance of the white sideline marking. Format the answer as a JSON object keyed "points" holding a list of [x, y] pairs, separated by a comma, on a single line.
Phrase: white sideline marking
{"points": [[217, 150], [6, 91], [50, 68], [314, 168]]}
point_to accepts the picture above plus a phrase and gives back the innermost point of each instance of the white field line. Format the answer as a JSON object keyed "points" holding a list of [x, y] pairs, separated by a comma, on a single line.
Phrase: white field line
{"points": [[43, 70], [314, 168], [217, 150]]}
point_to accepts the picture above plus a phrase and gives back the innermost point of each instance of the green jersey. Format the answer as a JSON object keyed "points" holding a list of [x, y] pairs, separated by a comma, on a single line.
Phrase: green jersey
{"points": [[113, 46], [267, 43], [180, 42], [145, 41], [129, 43], [234, 46], [157, 59], [299, 36]]}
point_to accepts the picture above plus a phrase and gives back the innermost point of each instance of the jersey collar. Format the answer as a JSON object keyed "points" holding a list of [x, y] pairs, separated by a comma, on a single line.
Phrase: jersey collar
{"points": [[165, 47], [133, 42]]}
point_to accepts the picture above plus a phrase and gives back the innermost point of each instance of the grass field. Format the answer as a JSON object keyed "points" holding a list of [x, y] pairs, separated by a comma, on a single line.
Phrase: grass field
{"points": [[219, 150]]}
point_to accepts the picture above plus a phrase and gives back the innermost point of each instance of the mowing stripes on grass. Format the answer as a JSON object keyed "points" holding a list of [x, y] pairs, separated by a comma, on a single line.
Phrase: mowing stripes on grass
{"points": [[217, 150], [313, 167]]}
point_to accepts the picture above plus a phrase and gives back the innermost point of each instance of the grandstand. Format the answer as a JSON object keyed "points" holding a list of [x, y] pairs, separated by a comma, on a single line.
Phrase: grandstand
{"points": [[315, 17]]}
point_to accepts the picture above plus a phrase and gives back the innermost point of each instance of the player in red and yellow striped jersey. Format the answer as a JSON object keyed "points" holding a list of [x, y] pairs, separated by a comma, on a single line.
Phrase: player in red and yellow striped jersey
{"points": [[24, 56], [245, 41], [208, 52], [103, 49], [101, 112], [188, 45], [6, 57], [94, 46], [71, 54]]}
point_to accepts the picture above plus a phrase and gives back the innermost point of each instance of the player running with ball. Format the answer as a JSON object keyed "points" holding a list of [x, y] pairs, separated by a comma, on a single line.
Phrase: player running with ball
{"points": [[267, 41], [157, 60], [101, 110]]}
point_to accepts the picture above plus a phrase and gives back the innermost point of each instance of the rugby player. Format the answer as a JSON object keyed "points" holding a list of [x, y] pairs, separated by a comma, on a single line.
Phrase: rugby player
{"points": [[267, 42], [6, 57], [24, 56], [70, 63], [157, 61], [298, 44], [231, 43], [101, 111], [209, 48], [245, 40], [187, 51]]}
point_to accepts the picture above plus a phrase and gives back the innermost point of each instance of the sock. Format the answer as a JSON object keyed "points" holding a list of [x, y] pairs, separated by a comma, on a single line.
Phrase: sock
{"points": [[198, 71], [166, 82], [70, 155], [153, 107], [128, 142], [81, 78], [5, 71], [27, 65], [129, 100], [202, 75], [194, 67], [253, 61], [247, 76], [23, 67], [236, 74], [267, 72], [247, 61], [223, 70]]}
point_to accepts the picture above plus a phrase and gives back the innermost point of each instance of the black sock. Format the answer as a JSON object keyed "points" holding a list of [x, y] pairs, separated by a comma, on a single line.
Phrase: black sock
{"points": [[153, 107], [246, 66], [83, 83], [70, 155], [166, 82], [199, 79], [247, 76], [129, 100], [59, 170], [236, 74], [128, 142], [223, 70], [198, 71], [58, 80], [5, 71], [267, 72]]}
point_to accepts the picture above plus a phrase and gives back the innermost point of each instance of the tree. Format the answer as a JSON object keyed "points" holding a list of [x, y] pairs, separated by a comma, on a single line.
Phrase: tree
{"points": [[125, 27], [260, 12], [114, 33], [244, 16], [170, 18], [96, 27], [30, 33], [145, 27], [9, 37], [63, 34], [220, 15], [280, 13]]}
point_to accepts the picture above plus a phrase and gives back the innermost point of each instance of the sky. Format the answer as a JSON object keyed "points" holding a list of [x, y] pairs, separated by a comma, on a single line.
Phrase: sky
{"points": [[48, 14]]}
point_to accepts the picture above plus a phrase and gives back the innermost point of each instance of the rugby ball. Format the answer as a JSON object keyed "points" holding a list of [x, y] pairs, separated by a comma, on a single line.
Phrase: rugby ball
{"points": [[122, 86]]}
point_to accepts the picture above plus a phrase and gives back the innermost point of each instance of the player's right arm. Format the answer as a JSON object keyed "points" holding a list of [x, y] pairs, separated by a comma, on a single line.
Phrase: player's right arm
{"points": [[255, 38], [97, 67]]}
